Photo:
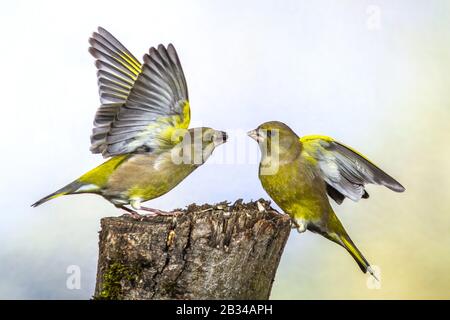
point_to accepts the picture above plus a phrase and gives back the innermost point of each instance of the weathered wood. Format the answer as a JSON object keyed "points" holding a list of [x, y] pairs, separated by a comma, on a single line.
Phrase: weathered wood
{"points": [[208, 252]]}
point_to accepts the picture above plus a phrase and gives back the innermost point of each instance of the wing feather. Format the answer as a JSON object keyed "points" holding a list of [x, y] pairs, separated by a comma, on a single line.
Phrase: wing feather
{"points": [[142, 104], [345, 171]]}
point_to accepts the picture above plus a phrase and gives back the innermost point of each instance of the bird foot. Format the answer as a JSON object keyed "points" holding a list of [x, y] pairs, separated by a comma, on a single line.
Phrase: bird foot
{"points": [[133, 214], [157, 212], [299, 225], [301, 228]]}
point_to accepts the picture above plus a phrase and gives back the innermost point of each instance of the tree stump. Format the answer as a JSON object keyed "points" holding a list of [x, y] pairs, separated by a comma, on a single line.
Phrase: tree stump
{"points": [[208, 252]]}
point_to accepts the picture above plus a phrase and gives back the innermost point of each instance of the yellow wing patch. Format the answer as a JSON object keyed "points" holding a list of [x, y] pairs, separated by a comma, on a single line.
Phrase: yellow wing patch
{"points": [[184, 123], [312, 137], [130, 64], [168, 131], [311, 144], [173, 124], [133, 63]]}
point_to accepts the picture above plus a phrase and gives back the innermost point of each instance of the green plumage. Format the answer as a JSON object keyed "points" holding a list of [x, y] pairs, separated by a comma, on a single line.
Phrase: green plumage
{"points": [[299, 173], [141, 126], [135, 178]]}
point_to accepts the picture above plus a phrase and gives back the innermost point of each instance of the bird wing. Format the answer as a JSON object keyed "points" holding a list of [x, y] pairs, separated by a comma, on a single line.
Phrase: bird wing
{"points": [[345, 170], [142, 104]]}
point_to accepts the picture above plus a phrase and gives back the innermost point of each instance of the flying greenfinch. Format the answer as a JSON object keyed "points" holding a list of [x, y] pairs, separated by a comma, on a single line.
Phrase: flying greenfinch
{"points": [[300, 173], [141, 126]]}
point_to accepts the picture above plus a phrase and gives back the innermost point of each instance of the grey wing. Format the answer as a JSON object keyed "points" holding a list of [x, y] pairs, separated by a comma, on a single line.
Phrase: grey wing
{"points": [[346, 172], [141, 104], [156, 107], [117, 71]]}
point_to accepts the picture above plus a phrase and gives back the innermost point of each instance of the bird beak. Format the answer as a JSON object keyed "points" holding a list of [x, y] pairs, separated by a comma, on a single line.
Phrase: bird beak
{"points": [[220, 138], [224, 136], [254, 135]]}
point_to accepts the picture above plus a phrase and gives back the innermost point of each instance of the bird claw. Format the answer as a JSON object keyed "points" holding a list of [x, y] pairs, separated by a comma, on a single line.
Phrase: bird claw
{"points": [[157, 212], [152, 213], [135, 216], [169, 213]]}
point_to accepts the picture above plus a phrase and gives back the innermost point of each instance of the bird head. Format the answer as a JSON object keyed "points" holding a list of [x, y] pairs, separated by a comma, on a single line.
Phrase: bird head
{"points": [[278, 144], [274, 136], [199, 143]]}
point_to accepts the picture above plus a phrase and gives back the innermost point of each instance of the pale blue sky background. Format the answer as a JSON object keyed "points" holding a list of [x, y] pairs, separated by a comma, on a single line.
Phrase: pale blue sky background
{"points": [[320, 66]]}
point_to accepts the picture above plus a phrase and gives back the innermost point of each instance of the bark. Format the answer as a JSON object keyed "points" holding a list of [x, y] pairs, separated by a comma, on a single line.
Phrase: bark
{"points": [[208, 252]]}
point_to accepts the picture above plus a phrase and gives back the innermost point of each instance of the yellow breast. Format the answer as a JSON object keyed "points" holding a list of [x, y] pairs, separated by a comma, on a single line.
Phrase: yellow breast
{"points": [[298, 190]]}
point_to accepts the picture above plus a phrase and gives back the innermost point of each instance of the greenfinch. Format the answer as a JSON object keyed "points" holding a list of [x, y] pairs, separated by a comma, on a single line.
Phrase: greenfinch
{"points": [[141, 126], [300, 173]]}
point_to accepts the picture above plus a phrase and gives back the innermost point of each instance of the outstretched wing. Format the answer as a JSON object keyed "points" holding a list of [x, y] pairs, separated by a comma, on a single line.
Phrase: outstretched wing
{"points": [[345, 171], [142, 105], [117, 72]]}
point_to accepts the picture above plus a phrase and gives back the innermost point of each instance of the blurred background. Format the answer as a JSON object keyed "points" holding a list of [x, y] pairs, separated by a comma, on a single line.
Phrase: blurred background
{"points": [[372, 74]]}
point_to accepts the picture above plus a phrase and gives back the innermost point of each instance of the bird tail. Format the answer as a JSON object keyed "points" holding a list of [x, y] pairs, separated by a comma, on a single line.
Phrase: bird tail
{"points": [[348, 244], [68, 189], [338, 235]]}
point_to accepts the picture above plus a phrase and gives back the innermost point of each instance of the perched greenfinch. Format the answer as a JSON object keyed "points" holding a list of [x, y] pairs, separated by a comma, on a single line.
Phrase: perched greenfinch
{"points": [[300, 173], [141, 126]]}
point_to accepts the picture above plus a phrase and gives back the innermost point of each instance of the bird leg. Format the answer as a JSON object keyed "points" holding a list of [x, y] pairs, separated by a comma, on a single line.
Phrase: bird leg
{"points": [[158, 212], [132, 213]]}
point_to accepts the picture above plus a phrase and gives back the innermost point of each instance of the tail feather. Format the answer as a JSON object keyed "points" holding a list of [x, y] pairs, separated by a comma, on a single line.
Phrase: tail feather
{"points": [[340, 236], [348, 244], [68, 189]]}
